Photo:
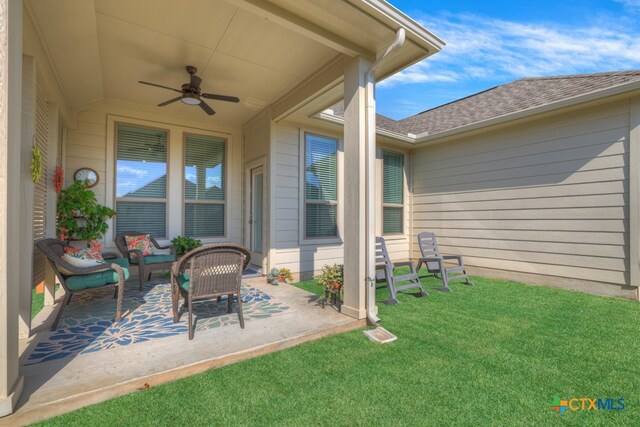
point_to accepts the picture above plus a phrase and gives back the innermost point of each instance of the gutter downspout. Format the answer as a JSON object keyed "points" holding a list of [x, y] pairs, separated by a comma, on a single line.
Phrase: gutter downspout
{"points": [[370, 137]]}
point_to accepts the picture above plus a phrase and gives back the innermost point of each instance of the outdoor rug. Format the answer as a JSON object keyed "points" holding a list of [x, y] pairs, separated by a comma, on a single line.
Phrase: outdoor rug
{"points": [[87, 323]]}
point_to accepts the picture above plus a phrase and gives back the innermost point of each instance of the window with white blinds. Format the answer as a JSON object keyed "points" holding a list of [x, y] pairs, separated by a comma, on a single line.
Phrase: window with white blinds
{"points": [[204, 186], [392, 193], [321, 187], [141, 180]]}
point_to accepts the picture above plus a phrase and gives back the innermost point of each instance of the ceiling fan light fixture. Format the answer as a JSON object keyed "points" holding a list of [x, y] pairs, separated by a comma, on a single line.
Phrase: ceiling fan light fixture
{"points": [[190, 99]]}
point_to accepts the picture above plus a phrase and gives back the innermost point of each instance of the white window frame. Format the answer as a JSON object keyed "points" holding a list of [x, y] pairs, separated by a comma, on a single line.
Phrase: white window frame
{"points": [[207, 202], [117, 199], [303, 239], [402, 233]]}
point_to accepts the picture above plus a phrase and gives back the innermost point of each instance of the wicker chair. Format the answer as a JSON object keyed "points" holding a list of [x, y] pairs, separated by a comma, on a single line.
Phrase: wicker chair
{"points": [[74, 279], [208, 272], [146, 264]]}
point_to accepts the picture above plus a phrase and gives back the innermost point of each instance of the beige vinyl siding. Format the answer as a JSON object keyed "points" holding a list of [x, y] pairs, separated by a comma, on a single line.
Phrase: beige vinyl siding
{"points": [[549, 197], [289, 252], [257, 135]]}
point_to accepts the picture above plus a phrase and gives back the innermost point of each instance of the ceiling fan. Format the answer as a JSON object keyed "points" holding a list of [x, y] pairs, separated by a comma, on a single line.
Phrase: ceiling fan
{"points": [[191, 94]]}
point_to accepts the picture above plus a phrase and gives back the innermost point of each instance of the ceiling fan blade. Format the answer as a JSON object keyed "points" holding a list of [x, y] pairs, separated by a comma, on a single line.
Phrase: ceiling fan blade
{"points": [[195, 81], [162, 104], [220, 97], [163, 87], [206, 108]]}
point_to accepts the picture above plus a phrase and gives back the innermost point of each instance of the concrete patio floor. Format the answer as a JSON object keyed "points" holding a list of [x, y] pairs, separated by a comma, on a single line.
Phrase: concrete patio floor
{"points": [[58, 386]]}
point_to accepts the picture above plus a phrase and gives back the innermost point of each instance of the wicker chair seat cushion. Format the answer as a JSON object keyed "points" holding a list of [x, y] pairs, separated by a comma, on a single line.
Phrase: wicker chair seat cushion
{"points": [[156, 259], [183, 281], [100, 278]]}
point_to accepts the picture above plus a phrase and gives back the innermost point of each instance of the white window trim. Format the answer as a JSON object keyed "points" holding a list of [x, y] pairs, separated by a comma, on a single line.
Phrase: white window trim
{"points": [[302, 239], [206, 202], [113, 179]]}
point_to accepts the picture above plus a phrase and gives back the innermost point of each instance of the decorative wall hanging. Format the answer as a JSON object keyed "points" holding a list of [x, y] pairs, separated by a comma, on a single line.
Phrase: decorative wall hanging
{"points": [[36, 164], [58, 179]]}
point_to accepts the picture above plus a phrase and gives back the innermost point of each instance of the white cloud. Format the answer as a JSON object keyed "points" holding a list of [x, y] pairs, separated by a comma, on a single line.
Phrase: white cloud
{"points": [[482, 48], [633, 5], [139, 173]]}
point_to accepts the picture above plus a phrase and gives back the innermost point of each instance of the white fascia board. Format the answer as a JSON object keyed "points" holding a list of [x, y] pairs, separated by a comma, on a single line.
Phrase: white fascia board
{"points": [[395, 18], [426, 137], [379, 131]]}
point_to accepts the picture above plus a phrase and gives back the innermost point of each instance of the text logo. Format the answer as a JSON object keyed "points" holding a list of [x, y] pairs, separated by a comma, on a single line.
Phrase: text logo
{"points": [[587, 404]]}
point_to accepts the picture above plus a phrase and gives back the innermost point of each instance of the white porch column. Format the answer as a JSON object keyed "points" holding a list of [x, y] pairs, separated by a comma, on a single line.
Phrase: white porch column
{"points": [[28, 120], [10, 106], [52, 196], [354, 187]]}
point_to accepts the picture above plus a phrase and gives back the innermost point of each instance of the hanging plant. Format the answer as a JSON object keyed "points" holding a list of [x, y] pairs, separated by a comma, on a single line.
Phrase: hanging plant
{"points": [[36, 164], [79, 216], [58, 179]]}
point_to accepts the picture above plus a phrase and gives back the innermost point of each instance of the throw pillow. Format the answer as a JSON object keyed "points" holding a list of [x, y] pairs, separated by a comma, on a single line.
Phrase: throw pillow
{"points": [[96, 248], [81, 258], [142, 243]]}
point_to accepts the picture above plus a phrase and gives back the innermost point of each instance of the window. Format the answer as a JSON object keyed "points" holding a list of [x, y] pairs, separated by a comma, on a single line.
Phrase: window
{"points": [[204, 186], [141, 180], [321, 198], [392, 193]]}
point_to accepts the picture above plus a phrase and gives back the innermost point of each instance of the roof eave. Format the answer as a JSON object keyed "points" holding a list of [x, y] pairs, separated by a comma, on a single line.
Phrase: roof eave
{"points": [[339, 120], [394, 18], [426, 137]]}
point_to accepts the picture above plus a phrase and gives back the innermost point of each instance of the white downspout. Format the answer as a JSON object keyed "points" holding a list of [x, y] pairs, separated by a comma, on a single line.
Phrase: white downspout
{"points": [[370, 136]]}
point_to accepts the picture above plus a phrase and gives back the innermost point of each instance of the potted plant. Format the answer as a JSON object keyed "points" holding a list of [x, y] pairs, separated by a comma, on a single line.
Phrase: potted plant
{"points": [[183, 244], [281, 275], [331, 280], [79, 216]]}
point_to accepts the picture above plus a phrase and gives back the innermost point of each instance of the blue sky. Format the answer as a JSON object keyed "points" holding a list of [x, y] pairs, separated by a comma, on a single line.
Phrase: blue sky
{"points": [[494, 42]]}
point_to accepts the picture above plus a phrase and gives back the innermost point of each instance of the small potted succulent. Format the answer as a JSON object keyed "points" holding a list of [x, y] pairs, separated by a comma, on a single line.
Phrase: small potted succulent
{"points": [[279, 275]]}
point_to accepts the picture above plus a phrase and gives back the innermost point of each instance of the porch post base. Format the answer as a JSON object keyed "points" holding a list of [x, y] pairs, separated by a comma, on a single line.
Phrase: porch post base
{"points": [[356, 313], [7, 404]]}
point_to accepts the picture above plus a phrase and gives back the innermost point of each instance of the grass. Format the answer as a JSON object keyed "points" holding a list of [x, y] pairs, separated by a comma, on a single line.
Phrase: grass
{"points": [[37, 302], [493, 354]]}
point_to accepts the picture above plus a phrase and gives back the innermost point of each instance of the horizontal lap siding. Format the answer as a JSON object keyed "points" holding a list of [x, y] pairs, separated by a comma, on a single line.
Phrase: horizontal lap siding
{"points": [[288, 251], [550, 197]]}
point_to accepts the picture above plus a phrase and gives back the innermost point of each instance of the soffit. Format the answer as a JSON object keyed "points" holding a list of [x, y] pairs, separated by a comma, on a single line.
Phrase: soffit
{"points": [[101, 49]]}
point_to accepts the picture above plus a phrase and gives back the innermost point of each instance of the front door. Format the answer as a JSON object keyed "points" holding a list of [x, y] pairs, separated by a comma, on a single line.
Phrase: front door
{"points": [[256, 216]]}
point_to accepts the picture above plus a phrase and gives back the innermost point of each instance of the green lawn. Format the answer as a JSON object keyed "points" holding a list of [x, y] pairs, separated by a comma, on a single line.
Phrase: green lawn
{"points": [[493, 354], [37, 302]]}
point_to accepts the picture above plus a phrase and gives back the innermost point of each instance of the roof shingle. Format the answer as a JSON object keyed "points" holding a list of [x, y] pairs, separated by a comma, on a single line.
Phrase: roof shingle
{"points": [[509, 98]]}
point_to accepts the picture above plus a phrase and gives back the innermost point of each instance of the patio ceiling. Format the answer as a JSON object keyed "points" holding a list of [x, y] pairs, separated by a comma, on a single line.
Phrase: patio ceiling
{"points": [[257, 51]]}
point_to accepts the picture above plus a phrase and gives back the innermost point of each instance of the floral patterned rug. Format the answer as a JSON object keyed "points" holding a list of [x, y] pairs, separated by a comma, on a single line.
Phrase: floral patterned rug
{"points": [[87, 323]]}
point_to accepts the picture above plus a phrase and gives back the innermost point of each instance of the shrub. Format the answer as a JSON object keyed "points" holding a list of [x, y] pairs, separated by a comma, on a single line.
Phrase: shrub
{"points": [[183, 244], [331, 280]]}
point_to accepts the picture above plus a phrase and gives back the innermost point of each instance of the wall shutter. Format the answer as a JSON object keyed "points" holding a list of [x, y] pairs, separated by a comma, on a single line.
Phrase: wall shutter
{"points": [[40, 189]]}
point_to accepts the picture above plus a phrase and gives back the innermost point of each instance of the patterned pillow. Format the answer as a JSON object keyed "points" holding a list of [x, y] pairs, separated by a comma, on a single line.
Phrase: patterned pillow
{"points": [[96, 248], [142, 243], [82, 258]]}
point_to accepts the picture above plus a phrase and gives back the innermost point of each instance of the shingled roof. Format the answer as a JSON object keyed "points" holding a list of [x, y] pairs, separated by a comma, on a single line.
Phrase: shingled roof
{"points": [[509, 98]]}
